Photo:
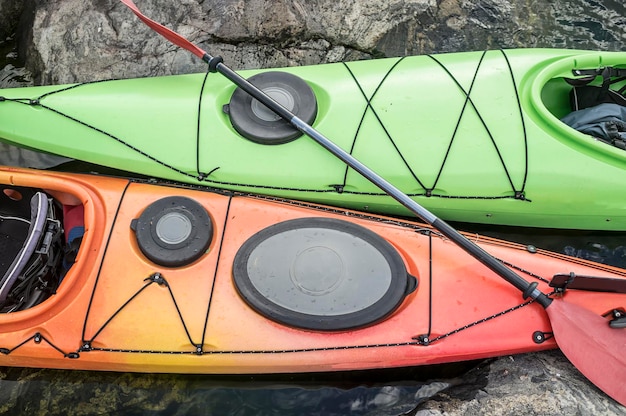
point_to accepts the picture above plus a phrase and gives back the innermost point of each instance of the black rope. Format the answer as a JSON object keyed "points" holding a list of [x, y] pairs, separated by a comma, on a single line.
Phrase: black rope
{"points": [[8, 351], [106, 247], [278, 351], [527, 272], [154, 278], [340, 189], [429, 340], [479, 115], [368, 106], [201, 175], [424, 339], [163, 282], [333, 189], [119, 140], [37, 102], [279, 188], [421, 340], [37, 338], [522, 119], [106, 323], [460, 118], [71, 87], [217, 263]]}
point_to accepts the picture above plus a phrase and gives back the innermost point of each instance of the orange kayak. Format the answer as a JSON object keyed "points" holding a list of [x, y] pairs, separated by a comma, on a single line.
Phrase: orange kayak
{"points": [[116, 274]]}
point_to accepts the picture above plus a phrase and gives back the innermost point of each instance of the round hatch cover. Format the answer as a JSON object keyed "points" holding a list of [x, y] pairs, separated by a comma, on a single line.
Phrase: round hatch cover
{"points": [[258, 123], [321, 274], [173, 231]]}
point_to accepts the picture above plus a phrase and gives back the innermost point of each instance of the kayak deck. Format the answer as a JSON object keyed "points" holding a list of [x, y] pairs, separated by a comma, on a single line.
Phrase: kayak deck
{"points": [[473, 136], [117, 310]]}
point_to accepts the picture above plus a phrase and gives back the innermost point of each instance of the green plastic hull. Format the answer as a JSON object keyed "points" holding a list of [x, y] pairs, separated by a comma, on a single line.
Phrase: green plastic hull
{"points": [[500, 156]]}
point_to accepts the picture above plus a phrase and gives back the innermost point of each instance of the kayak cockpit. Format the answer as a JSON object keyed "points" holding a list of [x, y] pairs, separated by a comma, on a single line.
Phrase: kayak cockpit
{"points": [[36, 250], [591, 100]]}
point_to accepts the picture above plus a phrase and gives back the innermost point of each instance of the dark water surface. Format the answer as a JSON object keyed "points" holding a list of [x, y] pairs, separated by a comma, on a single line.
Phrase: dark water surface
{"points": [[54, 392], [607, 247]]}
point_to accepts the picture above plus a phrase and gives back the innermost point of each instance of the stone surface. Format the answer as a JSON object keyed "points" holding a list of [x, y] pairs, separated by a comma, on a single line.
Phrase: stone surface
{"points": [[10, 12], [543, 384], [72, 40]]}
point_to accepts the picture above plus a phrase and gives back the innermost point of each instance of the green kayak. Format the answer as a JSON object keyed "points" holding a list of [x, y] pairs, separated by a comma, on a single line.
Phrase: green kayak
{"points": [[473, 136]]}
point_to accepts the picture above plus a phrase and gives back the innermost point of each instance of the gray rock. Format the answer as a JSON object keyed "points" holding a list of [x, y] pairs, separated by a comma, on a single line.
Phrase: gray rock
{"points": [[544, 383], [74, 40], [10, 12], [16, 156]]}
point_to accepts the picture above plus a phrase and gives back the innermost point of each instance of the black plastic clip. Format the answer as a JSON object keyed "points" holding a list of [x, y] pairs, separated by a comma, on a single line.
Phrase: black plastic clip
{"points": [[198, 350], [529, 290], [213, 62], [618, 320], [37, 338], [203, 176], [157, 278], [5, 351], [33, 101], [563, 286], [539, 337], [85, 347], [73, 355], [423, 339], [429, 193], [338, 188]]}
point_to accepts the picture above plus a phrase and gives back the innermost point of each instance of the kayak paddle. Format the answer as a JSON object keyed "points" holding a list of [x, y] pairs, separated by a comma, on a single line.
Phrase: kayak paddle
{"points": [[586, 338]]}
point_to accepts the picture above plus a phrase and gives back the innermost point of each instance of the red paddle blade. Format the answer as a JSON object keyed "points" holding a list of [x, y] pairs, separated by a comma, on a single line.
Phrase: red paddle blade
{"points": [[593, 347], [168, 34]]}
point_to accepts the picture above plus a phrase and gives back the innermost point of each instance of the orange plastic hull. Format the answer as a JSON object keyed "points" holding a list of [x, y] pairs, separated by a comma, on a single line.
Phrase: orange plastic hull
{"points": [[101, 319]]}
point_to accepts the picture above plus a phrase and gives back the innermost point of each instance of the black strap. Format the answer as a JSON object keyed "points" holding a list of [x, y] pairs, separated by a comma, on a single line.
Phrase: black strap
{"points": [[610, 75], [591, 283], [606, 72], [584, 95]]}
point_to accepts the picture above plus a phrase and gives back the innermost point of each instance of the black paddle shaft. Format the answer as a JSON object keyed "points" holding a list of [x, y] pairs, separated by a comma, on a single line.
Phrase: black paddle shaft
{"points": [[529, 289]]}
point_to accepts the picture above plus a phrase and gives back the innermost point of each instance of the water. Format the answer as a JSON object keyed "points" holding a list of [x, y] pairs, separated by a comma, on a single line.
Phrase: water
{"points": [[53, 392], [606, 247]]}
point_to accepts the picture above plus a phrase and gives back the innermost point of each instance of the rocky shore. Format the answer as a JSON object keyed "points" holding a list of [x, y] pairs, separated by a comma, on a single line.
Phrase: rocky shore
{"points": [[71, 40]]}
